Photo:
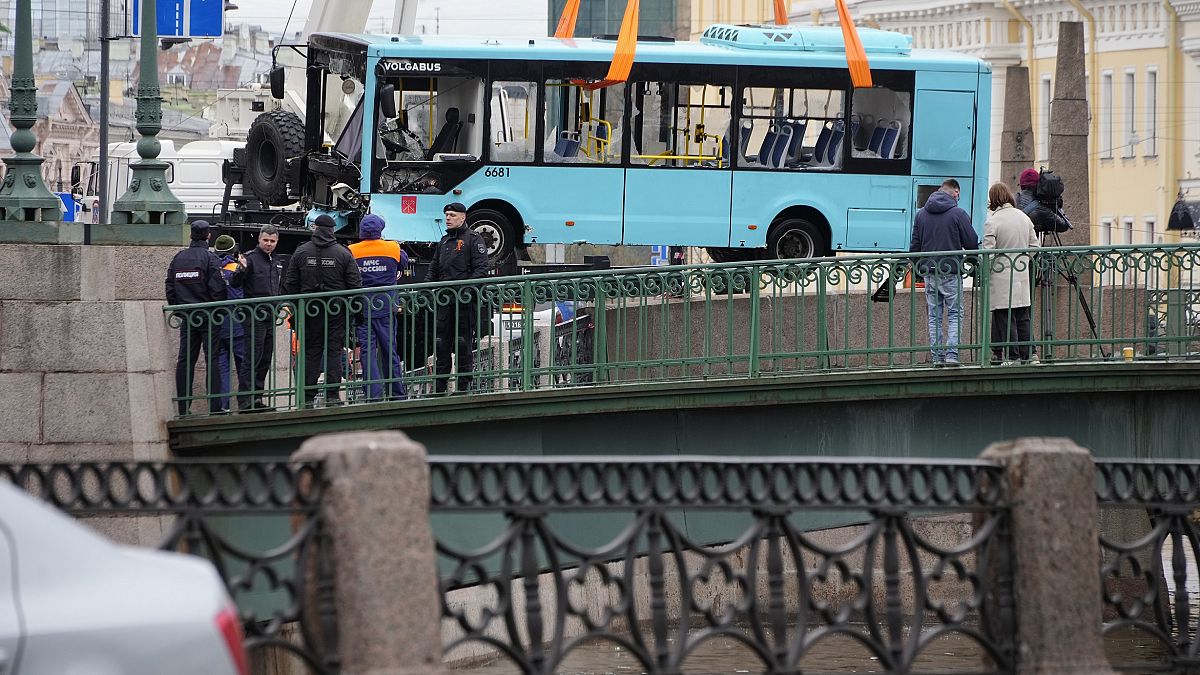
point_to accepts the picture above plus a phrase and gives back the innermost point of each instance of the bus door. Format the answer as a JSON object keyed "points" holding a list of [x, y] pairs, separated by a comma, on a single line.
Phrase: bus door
{"points": [[679, 181], [944, 128], [581, 181]]}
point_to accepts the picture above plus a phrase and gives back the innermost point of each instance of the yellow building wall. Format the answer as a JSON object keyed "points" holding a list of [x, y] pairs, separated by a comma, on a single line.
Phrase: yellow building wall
{"points": [[1139, 188], [707, 12]]}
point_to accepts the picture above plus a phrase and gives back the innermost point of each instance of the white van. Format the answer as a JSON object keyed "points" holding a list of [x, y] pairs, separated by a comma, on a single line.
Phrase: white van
{"points": [[193, 173]]}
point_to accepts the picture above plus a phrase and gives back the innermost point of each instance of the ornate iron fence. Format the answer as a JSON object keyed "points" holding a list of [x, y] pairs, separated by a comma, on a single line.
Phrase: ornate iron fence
{"points": [[662, 555], [1149, 569], [279, 571], [733, 320]]}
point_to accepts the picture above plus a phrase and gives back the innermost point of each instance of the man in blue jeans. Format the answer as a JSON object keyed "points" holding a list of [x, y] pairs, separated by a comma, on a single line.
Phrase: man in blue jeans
{"points": [[942, 226]]}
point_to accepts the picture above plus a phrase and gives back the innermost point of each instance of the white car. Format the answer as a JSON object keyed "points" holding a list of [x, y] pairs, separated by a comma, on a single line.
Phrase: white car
{"points": [[74, 603]]}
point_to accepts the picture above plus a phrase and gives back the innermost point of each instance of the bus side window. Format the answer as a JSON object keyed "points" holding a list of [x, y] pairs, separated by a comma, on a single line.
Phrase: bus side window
{"points": [[786, 128], [885, 117], [582, 126], [681, 125], [512, 122]]}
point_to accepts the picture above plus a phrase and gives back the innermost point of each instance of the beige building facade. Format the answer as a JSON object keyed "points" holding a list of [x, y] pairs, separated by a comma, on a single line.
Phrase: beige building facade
{"points": [[1143, 84]]}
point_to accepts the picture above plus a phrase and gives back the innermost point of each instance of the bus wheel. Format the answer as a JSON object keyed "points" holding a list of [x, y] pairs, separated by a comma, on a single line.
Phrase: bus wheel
{"points": [[795, 238], [497, 233], [275, 139]]}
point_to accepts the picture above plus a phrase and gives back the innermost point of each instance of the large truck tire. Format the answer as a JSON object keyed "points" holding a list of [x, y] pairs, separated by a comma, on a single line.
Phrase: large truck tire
{"points": [[273, 148]]}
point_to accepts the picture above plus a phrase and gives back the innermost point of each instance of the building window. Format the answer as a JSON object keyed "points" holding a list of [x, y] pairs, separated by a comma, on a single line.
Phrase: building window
{"points": [[1106, 116], [1127, 225], [1106, 231], [177, 79], [1131, 139], [1150, 149], [1044, 119], [1151, 234]]}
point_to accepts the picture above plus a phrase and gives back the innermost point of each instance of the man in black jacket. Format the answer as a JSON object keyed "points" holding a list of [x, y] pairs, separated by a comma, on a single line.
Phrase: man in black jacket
{"points": [[194, 275], [461, 254], [317, 266], [260, 279]]}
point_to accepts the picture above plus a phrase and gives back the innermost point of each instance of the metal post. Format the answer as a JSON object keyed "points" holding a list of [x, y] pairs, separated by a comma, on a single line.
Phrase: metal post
{"points": [[149, 200], [24, 197], [105, 93]]}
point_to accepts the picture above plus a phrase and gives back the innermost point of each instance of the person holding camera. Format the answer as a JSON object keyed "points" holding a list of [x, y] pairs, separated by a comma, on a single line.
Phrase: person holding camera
{"points": [[1009, 279], [941, 225]]}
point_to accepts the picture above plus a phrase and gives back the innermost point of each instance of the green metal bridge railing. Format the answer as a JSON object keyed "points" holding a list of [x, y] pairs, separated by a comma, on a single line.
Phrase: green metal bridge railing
{"points": [[737, 320]]}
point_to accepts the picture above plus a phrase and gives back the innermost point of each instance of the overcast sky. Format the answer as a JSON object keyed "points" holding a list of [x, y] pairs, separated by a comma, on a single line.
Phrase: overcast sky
{"points": [[463, 17]]}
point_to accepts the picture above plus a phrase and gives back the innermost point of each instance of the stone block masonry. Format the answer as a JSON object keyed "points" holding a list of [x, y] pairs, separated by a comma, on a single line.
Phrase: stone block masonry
{"points": [[86, 360]]}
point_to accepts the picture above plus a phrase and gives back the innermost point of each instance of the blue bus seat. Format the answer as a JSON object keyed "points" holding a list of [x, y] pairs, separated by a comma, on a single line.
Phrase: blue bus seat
{"points": [[566, 147], [822, 145], [887, 148], [796, 146], [877, 137], [835, 141], [768, 143], [744, 137], [779, 152], [447, 138]]}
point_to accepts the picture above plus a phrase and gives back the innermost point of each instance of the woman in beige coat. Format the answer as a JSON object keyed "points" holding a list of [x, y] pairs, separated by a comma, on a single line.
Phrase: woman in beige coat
{"points": [[1009, 280]]}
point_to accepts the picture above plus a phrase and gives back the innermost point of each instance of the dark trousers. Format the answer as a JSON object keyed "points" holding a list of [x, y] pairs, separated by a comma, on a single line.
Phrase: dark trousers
{"points": [[1011, 325], [324, 340], [192, 339], [234, 345], [455, 334], [260, 344]]}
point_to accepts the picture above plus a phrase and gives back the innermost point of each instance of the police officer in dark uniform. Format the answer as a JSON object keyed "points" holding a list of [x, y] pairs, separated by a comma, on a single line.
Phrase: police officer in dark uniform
{"points": [[317, 266], [194, 275], [261, 276], [461, 254]]}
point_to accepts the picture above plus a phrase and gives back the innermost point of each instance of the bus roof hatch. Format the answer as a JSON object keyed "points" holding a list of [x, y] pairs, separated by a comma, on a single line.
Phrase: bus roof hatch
{"points": [[804, 38]]}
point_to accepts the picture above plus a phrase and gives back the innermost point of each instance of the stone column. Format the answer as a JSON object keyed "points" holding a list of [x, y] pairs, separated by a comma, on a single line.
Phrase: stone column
{"points": [[149, 200], [1069, 126], [24, 197], [1016, 141], [386, 583], [1056, 553]]}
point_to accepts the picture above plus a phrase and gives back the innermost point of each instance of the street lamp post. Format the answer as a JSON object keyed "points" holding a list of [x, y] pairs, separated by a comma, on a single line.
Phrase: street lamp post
{"points": [[24, 197], [149, 200]]}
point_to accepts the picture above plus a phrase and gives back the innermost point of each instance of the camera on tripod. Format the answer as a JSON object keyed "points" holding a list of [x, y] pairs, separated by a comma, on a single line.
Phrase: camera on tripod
{"points": [[1045, 209]]}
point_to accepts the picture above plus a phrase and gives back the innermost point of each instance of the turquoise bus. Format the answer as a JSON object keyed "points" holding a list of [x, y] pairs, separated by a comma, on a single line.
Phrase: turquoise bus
{"points": [[751, 142]]}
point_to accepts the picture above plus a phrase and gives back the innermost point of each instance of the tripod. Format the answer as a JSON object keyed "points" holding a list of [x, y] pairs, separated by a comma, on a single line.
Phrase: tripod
{"points": [[1045, 281]]}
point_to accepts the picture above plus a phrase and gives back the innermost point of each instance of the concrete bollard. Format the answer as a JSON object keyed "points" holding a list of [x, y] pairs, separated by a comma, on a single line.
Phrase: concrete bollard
{"points": [[386, 583], [1057, 553]]}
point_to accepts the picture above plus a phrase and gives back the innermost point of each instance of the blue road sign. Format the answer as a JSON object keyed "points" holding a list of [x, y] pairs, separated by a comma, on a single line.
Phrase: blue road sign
{"points": [[184, 18], [659, 255]]}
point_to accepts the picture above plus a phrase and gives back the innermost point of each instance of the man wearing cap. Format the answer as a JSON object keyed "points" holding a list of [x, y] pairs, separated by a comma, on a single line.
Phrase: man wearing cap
{"points": [[262, 275], [194, 275], [322, 265], [380, 262], [232, 329], [1028, 181], [461, 254]]}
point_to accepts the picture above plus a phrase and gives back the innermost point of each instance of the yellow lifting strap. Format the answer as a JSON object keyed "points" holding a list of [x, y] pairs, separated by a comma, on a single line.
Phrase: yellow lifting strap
{"points": [[856, 56], [566, 22], [781, 18]]}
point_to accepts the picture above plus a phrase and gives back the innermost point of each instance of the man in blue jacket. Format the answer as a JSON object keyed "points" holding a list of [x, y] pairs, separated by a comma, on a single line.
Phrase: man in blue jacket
{"points": [[942, 226], [380, 262]]}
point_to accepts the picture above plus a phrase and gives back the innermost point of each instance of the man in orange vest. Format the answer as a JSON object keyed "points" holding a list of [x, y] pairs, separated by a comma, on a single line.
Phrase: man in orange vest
{"points": [[380, 262]]}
